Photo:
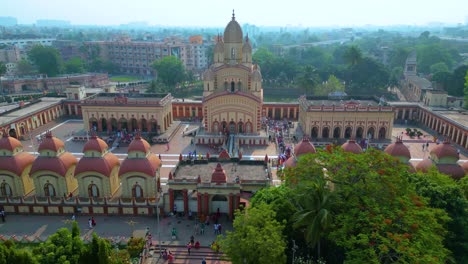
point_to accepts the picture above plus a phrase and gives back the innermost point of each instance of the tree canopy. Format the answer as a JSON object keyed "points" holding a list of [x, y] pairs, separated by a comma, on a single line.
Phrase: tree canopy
{"points": [[368, 208], [257, 237], [170, 71], [47, 59]]}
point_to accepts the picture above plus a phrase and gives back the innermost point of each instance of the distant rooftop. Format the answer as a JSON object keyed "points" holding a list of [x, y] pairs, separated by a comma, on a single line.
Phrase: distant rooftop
{"points": [[45, 102], [128, 99], [421, 82]]}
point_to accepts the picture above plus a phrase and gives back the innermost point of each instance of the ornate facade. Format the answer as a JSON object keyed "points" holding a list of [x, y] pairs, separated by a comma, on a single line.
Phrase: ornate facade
{"points": [[327, 119], [233, 94], [111, 112]]}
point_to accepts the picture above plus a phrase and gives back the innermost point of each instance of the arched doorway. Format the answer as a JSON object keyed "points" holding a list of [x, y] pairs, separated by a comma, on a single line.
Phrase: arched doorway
{"points": [[232, 127], [178, 201], [219, 202], [325, 132], [93, 190], [137, 191], [113, 123], [103, 124], [248, 127], [233, 87], [336, 132], [240, 127], [382, 132], [224, 126], [134, 124], [370, 132], [314, 132], [144, 126], [49, 190], [5, 189], [154, 126], [359, 132], [348, 132], [215, 127], [123, 124], [93, 124]]}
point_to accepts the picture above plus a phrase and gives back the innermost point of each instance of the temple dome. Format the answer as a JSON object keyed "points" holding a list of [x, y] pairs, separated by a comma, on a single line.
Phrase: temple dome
{"points": [[444, 150], [233, 32], [102, 165], [398, 149], [147, 165], [51, 143], [304, 147], [256, 75], [139, 144], [424, 165], [352, 146], [219, 47], [96, 144], [290, 163], [9, 143], [247, 48], [453, 170]]}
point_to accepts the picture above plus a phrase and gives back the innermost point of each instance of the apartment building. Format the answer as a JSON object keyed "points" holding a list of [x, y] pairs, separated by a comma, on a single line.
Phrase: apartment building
{"points": [[136, 57]]}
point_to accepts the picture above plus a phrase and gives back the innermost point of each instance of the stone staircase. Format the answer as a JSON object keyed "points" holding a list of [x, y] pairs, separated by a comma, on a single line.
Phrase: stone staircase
{"points": [[181, 255]]}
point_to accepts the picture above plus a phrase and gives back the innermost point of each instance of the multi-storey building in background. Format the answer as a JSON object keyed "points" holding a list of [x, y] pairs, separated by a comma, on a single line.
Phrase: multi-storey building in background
{"points": [[136, 57]]}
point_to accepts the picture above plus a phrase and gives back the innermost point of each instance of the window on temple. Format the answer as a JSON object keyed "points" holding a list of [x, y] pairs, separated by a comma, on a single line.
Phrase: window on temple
{"points": [[5, 189], [93, 190], [49, 190]]}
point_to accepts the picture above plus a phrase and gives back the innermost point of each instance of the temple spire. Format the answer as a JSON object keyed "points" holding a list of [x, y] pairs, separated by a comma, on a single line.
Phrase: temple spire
{"points": [[233, 15]]}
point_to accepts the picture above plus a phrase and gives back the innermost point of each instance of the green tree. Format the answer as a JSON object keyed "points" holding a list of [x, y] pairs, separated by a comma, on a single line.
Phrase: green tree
{"points": [[257, 237], [104, 252], [352, 55], [135, 246], [313, 213], [428, 55], [439, 67], [378, 215], [366, 77], [47, 59], [170, 71], [457, 81], [333, 84], [61, 248], [74, 65], [308, 79], [10, 254], [24, 67], [445, 193]]}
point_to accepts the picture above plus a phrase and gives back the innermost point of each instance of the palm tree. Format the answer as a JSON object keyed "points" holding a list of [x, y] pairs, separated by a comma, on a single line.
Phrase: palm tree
{"points": [[313, 212], [352, 55]]}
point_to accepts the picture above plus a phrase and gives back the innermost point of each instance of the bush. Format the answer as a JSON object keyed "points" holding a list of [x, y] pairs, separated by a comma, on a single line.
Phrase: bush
{"points": [[135, 246]]}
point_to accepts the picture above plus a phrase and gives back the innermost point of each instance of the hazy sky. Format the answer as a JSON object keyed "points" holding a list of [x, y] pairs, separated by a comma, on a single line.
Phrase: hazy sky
{"points": [[216, 13]]}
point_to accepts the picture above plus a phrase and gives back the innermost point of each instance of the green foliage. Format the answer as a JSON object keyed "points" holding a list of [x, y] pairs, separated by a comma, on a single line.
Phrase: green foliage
{"points": [[308, 79], [439, 67], [60, 247], [170, 71], [135, 246], [47, 59], [333, 84], [366, 76], [257, 237], [457, 81], [378, 215], [431, 54], [10, 254], [74, 65], [352, 55], [444, 193]]}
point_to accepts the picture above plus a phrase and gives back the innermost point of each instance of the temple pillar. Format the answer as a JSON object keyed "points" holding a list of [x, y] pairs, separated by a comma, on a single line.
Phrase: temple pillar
{"points": [[185, 192], [99, 125], [231, 209], [199, 204], [237, 201], [207, 205], [171, 199]]}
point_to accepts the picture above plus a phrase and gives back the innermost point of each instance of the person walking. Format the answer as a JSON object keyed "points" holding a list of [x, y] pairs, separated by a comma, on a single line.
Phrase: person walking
{"points": [[90, 223], [202, 229], [73, 218], [189, 247], [2, 214], [203, 261]]}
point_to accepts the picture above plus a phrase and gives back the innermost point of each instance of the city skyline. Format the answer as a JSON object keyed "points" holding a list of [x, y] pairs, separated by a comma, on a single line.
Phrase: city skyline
{"points": [[209, 13]]}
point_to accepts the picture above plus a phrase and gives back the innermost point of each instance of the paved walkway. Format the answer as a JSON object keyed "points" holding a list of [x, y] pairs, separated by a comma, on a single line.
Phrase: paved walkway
{"points": [[112, 227]]}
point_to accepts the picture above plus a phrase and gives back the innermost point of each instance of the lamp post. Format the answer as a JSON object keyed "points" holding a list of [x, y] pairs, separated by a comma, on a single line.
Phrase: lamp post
{"points": [[157, 219]]}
